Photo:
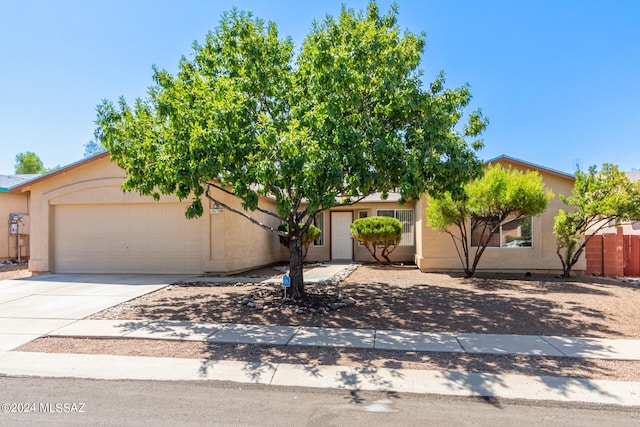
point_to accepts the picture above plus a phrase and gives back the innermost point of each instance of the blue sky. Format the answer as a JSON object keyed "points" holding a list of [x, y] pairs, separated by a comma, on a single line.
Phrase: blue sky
{"points": [[559, 80]]}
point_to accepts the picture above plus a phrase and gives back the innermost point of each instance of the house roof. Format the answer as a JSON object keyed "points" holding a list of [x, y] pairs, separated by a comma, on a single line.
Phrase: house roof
{"points": [[33, 179], [530, 165], [37, 178], [393, 197], [633, 176], [17, 183], [7, 182]]}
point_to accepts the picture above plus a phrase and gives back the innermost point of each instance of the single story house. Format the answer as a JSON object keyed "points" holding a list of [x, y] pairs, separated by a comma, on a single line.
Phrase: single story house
{"points": [[82, 222]]}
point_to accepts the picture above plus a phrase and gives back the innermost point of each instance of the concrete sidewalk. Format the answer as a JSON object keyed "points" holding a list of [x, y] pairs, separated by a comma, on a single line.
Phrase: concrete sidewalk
{"points": [[562, 389], [529, 345]]}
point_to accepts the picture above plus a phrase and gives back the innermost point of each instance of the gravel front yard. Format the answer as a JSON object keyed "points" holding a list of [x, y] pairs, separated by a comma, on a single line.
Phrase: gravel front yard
{"points": [[405, 298], [399, 297]]}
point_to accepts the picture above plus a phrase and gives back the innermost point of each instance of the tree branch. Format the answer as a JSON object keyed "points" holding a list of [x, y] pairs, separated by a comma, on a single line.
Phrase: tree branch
{"points": [[224, 190], [455, 245], [353, 202], [243, 214], [578, 252]]}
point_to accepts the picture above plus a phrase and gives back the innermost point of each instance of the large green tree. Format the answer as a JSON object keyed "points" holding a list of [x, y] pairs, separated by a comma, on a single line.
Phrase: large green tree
{"points": [[29, 163], [500, 195], [597, 199], [346, 115]]}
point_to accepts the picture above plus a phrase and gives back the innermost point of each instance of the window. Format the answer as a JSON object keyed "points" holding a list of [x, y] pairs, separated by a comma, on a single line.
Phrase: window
{"points": [[405, 216], [318, 221], [515, 233], [362, 214]]}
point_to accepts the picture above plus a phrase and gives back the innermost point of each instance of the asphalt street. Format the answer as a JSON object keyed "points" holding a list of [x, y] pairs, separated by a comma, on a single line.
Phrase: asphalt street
{"points": [[64, 401]]}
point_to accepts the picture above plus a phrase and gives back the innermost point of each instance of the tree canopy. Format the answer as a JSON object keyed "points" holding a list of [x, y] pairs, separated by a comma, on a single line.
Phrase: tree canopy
{"points": [[344, 117], [92, 148], [597, 199], [500, 195], [29, 163]]}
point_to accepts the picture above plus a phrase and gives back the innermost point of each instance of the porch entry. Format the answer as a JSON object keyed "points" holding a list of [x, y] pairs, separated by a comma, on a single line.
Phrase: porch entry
{"points": [[341, 242]]}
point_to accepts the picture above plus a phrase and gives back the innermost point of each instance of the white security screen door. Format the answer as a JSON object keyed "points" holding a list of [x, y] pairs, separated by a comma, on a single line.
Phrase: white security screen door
{"points": [[341, 242]]}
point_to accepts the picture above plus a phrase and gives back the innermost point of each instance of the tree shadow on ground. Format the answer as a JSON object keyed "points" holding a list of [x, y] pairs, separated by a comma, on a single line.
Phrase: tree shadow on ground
{"points": [[480, 375], [385, 306]]}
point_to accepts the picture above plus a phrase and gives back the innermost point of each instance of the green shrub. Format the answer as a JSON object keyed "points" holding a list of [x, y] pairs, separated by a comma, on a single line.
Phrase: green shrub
{"points": [[307, 238], [378, 232]]}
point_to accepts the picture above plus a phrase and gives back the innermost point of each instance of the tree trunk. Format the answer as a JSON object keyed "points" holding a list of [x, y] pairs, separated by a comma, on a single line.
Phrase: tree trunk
{"points": [[295, 265], [371, 247], [571, 256], [568, 264]]}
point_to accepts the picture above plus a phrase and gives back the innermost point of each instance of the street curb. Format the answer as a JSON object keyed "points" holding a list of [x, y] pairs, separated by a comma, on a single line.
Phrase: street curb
{"points": [[90, 366]]}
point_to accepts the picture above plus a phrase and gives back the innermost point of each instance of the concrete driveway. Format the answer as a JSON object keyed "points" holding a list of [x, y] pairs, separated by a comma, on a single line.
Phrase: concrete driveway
{"points": [[34, 306]]}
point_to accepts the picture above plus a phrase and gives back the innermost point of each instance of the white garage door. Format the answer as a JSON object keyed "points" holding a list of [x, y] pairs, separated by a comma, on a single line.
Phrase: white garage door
{"points": [[136, 238]]}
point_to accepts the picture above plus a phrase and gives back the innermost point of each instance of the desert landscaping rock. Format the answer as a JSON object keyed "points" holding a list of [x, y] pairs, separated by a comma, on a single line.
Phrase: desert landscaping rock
{"points": [[14, 270], [318, 300]]}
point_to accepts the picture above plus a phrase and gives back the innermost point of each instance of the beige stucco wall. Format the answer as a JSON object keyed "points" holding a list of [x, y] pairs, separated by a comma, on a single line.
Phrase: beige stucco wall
{"points": [[236, 244], [436, 251], [228, 242], [360, 253], [12, 204]]}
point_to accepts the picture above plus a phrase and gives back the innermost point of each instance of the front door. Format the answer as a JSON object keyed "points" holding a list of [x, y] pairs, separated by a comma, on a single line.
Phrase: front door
{"points": [[341, 242]]}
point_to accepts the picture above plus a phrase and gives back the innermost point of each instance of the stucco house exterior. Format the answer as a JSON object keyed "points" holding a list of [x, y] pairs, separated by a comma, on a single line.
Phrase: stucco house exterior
{"points": [[435, 250], [82, 222], [14, 208]]}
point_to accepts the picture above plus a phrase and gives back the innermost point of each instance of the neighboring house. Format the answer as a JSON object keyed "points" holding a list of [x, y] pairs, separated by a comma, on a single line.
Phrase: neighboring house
{"points": [[82, 221], [614, 250], [12, 205], [628, 227]]}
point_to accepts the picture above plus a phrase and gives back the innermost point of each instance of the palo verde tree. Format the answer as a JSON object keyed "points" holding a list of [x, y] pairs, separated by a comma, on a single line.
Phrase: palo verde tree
{"points": [[500, 195], [378, 232], [597, 199], [344, 117]]}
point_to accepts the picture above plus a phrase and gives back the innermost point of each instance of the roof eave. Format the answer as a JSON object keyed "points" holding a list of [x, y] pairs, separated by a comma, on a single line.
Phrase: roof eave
{"points": [[531, 166], [24, 186]]}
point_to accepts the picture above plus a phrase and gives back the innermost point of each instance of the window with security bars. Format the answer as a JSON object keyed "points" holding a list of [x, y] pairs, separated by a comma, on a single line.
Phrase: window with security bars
{"points": [[405, 216]]}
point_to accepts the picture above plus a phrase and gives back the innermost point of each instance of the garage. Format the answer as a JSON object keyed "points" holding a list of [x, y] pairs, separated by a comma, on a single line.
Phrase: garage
{"points": [[125, 238]]}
